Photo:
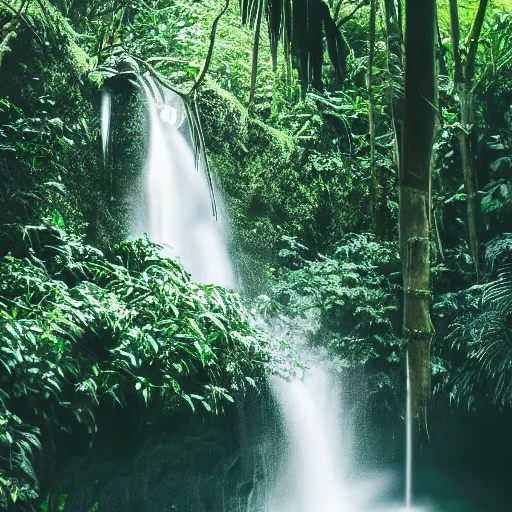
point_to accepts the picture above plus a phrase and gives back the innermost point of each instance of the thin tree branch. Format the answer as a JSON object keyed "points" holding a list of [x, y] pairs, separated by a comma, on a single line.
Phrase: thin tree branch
{"points": [[371, 112], [337, 10], [156, 74], [19, 14], [209, 55], [474, 39], [352, 14], [443, 70]]}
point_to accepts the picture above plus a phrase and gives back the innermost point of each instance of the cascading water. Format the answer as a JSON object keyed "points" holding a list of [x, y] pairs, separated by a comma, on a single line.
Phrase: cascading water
{"points": [[174, 207], [313, 477], [106, 107], [408, 443], [316, 472]]}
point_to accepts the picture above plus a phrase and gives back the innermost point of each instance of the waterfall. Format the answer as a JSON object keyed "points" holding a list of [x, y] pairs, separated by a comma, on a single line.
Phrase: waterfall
{"points": [[408, 442], [106, 107], [174, 205], [312, 479], [317, 473]]}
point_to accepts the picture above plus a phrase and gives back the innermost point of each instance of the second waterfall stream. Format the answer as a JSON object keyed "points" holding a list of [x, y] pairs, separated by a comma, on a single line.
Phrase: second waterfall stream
{"points": [[176, 208]]}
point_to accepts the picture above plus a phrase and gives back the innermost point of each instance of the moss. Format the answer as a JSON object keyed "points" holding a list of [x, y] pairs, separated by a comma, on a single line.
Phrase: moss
{"points": [[47, 79], [263, 174]]}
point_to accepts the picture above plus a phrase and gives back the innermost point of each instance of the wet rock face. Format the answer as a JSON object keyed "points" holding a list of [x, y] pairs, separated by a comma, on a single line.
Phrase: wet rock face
{"points": [[178, 461]]}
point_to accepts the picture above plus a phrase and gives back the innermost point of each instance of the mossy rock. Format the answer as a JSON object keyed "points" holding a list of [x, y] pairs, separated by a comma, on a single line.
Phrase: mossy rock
{"points": [[261, 172], [50, 150]]}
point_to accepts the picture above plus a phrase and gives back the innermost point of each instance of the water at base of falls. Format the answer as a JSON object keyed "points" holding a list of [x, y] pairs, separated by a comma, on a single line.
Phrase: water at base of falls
{"points": [[315, 473], [408, 441], [313, 477]]}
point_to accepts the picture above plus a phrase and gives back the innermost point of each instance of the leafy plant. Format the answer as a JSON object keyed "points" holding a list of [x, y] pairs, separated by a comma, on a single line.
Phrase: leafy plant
{"points": [[351, 299], [79, 330], [481, 334]]}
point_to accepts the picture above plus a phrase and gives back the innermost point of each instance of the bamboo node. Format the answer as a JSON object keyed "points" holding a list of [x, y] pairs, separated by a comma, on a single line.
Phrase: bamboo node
{"points": [[418, 293], [413, 239], [418, 334]]}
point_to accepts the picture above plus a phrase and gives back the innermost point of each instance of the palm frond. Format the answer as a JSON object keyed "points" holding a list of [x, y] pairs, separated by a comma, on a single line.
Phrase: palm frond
{"points": [[498, 293], [301, 26], [487, 339]]}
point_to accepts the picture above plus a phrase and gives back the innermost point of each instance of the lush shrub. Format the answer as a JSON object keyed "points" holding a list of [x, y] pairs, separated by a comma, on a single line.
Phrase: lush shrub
{"points": [[79, 329], [476, 362], [352, 298]]}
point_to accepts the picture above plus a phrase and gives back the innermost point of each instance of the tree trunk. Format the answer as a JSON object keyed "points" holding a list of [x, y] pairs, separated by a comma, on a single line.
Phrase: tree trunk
{"points": [[374, 192], [420, 96], [463, 79]]}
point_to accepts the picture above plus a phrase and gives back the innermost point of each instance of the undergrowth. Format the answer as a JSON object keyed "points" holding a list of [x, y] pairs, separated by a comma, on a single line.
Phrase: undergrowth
{"points": [[79, 329]]}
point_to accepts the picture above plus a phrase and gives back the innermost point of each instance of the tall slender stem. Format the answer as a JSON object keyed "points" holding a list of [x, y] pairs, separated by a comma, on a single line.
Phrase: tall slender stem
{"points": [[408, 441], [371, 114], [209, 55]]}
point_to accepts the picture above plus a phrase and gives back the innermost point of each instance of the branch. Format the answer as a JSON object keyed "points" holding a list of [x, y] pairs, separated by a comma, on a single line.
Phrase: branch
{"points": [[158, 76], [352, 14], [206, 64], [454, 22], [474, 38], [19, 15], [146, 5], [11, 8]]}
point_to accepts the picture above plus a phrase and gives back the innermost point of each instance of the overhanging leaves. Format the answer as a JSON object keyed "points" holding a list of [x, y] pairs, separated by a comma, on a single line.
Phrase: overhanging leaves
{"points": [[302, 27]]}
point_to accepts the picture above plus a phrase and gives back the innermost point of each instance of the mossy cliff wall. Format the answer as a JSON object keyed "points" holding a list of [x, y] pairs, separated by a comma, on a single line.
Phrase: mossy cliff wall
{"points": [[48, 118], [51, 164], [258, 169], [50, 147]]}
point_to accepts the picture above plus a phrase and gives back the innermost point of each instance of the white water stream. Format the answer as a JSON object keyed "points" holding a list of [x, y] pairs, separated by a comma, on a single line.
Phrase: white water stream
{"points": [[408, 442], [177, 212], [106, 108], [173, 207], [314, 477]]}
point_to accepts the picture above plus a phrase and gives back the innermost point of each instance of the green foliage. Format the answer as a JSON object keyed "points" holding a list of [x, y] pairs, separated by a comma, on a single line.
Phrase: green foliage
{"points": [[43, 147], [48, 125], [61, 504], [173, 37], [295, 168], [315, 23], [353, 295], [80, 330], [480, 334]]}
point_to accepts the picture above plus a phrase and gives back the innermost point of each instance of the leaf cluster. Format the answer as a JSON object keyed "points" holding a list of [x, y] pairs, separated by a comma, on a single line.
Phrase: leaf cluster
{"points": [[354, 293], [79, 330], [480, 334]]}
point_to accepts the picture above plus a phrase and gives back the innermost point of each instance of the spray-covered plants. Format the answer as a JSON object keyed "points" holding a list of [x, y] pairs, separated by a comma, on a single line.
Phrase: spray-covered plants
{"points": [[351, 300], [80, 330]]}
